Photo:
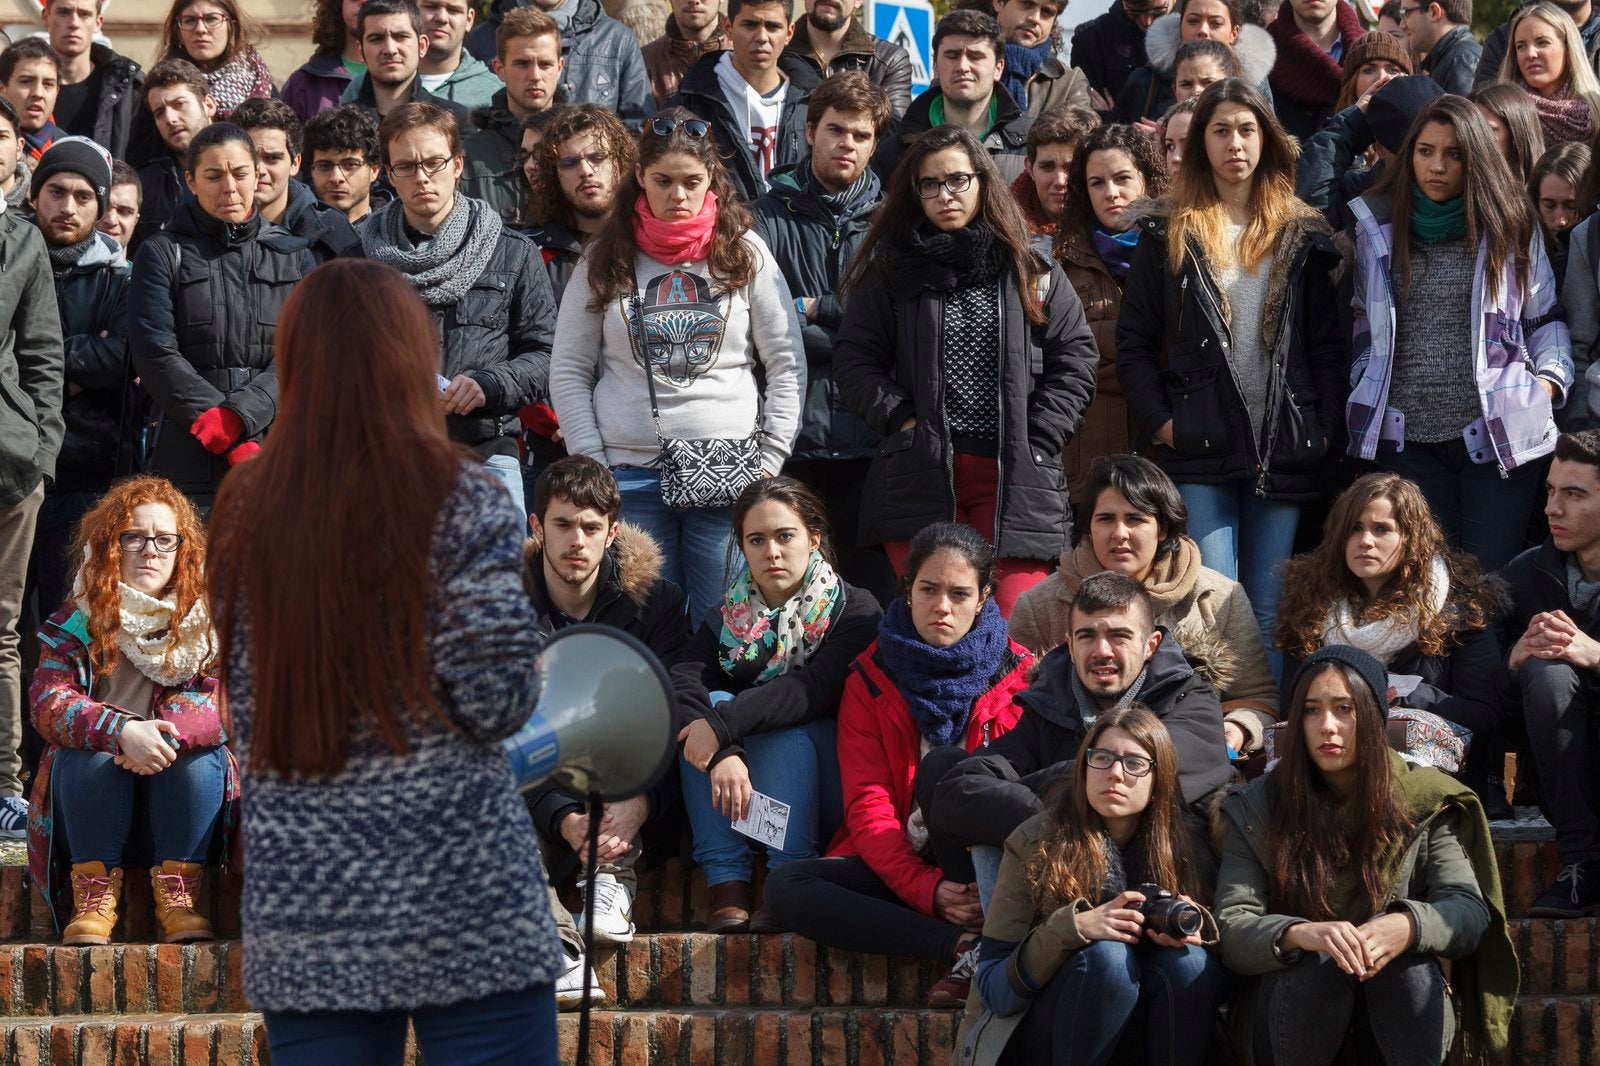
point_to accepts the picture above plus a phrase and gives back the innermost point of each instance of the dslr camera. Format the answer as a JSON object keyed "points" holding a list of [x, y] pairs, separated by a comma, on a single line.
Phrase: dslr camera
{"points": [[1166, 913]]}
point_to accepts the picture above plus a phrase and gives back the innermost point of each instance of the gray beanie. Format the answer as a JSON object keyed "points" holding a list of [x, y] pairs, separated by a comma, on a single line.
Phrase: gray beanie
{"points": [[77, 155]]}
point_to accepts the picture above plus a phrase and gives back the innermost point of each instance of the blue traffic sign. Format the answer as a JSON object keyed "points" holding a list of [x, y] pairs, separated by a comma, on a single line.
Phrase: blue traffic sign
{"points": [[909, 24]]}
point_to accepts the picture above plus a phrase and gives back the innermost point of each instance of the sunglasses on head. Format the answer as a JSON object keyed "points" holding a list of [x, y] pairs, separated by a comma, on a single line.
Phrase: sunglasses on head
{"points": [[694, 128]]}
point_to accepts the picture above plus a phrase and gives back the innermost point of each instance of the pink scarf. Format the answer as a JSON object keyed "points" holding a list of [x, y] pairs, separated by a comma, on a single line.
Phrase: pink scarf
{"points": [[688, 241], [1564, 118]]}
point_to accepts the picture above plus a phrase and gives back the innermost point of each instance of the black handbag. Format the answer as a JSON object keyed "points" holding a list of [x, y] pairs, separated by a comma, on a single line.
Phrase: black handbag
{"points": [[708, 472]]}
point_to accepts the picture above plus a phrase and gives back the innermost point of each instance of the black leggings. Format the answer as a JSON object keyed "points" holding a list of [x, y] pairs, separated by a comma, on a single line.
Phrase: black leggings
{"points": [[841, 903], [1399, 1017]]}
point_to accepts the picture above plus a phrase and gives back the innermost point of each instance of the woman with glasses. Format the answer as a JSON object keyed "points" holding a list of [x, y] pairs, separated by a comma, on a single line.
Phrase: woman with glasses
{"points": [[220, 38], [677, 326], [940, 677], [1080, 961], [971, 433], [136, 772], [203, 304], [1340, 944]]}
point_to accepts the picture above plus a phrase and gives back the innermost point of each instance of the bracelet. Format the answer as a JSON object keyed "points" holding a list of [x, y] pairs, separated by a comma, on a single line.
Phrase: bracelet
{"points": [[800, 306]]}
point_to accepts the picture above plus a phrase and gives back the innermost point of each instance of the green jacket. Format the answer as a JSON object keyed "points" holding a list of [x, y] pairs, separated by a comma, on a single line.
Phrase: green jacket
{"points": [[31, 361], [1447, 879]]}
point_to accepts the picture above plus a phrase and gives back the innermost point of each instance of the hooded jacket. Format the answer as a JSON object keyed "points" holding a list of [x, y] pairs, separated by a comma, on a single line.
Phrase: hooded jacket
{"points": [[92, 296], [471, 84], [889, 362], [326, 230], [987, 796], [812, 248], [1173, 341], [320, 83], [121, 99], [491, 173], [31, 387], [559, 250], [886, 64], [1148, 91], [1006, 140], [603, 62], [668, 58], [701, 92]]}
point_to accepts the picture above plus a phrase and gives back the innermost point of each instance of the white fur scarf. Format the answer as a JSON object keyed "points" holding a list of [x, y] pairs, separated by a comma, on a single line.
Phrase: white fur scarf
{"points": [[1385, 639], [144, 635]]}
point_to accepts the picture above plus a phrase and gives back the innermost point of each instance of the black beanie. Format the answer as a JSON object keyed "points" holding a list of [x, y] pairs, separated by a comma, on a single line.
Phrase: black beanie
{"points": [[1370, 669], [76, 155], [1395, 106]]}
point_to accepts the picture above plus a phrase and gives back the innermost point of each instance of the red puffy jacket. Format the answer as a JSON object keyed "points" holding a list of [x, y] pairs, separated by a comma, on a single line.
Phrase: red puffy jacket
{"points": [[879, 750]]}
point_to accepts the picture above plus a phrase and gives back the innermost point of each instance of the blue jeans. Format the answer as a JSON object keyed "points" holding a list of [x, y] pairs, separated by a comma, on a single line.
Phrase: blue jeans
{"points": [[95, 802], [798, 766], [1478, 511], [1245, 537], [508, 470], [1160, 1002], [505, 1029], [696, 543]]}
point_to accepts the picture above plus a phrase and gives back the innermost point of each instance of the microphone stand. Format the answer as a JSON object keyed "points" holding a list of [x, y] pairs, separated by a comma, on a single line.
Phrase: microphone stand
{"points": [[596, 812]]}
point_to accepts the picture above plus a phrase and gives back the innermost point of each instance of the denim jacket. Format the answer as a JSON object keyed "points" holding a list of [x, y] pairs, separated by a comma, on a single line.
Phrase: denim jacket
{"points": [[1519, 337]]}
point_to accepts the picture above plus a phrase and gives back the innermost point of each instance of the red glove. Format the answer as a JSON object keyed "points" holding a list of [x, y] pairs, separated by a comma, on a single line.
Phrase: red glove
{"points": [[538, 418], [243, 453], [217, 429]]}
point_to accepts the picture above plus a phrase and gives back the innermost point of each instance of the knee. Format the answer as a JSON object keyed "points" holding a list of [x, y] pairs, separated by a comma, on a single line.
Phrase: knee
{"points": [[1108, 961], [932, 769], [1544, 681], [788, 887], [75, 764], [1190, 970]]}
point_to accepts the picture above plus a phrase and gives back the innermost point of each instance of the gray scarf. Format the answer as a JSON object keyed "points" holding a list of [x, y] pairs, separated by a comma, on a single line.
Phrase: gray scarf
{"points": [[562, 15], [18, 196], [63, 257], [1089, 708], [442, 267], [1583, 594]]}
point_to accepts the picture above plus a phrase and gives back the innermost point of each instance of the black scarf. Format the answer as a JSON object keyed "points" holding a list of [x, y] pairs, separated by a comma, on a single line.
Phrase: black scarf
{"points": [[837, 203], [933, 258]]}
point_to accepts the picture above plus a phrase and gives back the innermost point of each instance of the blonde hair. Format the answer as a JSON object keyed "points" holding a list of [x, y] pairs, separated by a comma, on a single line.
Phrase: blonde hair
{"points": [[1577, 77]]}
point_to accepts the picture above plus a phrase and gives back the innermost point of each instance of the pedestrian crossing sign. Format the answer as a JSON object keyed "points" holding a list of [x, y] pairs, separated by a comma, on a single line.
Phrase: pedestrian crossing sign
{"points": [[909, 24]]}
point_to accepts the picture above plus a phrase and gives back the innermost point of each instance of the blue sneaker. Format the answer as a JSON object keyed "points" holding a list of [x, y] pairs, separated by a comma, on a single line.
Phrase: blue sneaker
{"points": [[13, 818]]}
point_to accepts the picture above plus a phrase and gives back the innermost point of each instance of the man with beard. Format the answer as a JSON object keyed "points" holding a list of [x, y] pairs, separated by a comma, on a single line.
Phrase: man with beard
{"points": [[829, 40], [180, 102], [71, 191], [1583, 12], [282, 200], [447, 69], [695, 28], [814, 217], [528, 60], [390, 34], [342, 143]]}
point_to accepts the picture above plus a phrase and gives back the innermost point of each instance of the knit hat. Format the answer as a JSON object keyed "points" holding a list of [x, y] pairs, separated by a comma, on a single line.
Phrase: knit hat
{"points": [[1370, 669], [1374, 45], [76, 155], [1393, 108]]}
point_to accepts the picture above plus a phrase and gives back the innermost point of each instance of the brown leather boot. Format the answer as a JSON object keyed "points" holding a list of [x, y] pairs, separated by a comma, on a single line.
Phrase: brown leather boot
{"points": [[173, 884], [730, 908], [95, 893]]}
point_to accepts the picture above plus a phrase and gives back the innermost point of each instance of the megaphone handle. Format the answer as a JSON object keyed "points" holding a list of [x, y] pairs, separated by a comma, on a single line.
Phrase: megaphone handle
{"points": [[596, 812]]}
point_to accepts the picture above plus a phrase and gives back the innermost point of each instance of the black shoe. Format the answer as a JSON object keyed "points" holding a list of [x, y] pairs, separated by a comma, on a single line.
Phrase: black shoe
{"points": [[1494, 802], [1576, 893]]}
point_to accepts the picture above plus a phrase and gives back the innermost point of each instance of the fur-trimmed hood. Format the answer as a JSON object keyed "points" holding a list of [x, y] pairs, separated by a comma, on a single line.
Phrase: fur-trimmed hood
{"points": [[1254, 48], [635, 564]]}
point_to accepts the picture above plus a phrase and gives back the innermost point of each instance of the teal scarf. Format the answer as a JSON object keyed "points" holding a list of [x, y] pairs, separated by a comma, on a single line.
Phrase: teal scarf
{"points": [[1434, 222]]}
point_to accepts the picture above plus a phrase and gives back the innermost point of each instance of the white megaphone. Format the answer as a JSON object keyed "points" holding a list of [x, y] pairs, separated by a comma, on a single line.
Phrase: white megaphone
{"points": [[603, 724]]}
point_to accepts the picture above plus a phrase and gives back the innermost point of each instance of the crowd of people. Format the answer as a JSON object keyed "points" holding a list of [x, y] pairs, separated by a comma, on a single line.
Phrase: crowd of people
{"points": [[1122, 502]]}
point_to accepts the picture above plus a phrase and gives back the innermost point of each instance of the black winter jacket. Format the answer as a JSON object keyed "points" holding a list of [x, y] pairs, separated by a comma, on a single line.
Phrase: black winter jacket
{"points": [[31, 386], [1538, 581], [325, 230], [92, 296], [888, 358], [1453, 60], [121, 99], [701, 93], [492, 174], [886, 65], [813, 250], [1107, 49], [161, 189], [367, 99], [1174, 364], [559, 250], [631, 596], [988, 795], [203, 306], [1007, 140], [788, 700]]}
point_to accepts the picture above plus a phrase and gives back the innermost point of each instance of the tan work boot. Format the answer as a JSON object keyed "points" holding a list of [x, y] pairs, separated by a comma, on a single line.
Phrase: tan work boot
{"points": [[174, 884], [95, 893]]}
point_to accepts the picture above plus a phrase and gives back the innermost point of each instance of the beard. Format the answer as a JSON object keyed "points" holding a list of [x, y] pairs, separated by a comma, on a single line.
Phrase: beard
{"points": [[591, 209], [827, 21]]}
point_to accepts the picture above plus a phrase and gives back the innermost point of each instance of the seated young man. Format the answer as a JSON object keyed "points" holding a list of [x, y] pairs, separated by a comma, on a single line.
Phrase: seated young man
{"points": [[1553, 630], [583, 565]]}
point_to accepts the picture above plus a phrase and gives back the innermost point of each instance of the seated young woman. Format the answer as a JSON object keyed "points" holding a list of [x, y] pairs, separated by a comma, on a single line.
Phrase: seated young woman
{"points": [[1074, 965], [125, 696], [1137, 524], [941, 676], [771, 662], [1383, 580], [1343, 939]]}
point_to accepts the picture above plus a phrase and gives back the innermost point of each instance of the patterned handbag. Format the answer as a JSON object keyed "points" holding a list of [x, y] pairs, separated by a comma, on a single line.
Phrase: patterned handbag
{"points": [[708, 472]]}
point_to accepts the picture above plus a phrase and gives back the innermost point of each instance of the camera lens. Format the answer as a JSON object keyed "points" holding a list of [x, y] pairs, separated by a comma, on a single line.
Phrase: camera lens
{"points": [[1174, 917]]}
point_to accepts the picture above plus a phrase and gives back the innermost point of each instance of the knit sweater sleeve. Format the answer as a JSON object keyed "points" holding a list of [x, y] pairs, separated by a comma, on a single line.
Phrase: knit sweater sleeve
{"points": [[575, 367], [775, 331]]}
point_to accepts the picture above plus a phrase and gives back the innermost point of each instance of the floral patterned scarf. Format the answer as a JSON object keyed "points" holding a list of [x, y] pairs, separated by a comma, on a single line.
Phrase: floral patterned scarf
{"points": [[760, 643]]}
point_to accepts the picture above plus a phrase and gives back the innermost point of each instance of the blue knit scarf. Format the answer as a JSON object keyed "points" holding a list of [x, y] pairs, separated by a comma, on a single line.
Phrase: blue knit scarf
{"points": [[1021, 64], [940, 685], [1116, 249]]}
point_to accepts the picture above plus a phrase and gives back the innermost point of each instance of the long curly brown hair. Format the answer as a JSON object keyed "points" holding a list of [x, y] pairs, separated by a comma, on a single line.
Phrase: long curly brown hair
{"points": [[1078, 219], [327, 27], [101, 567], [1069, 861], [1313, 583], [732, 262]]}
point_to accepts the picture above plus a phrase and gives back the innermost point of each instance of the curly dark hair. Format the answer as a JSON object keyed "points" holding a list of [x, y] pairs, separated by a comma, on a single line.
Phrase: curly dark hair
{"points": [[347, 128], [327, 27], [1077, 215], [546, 200]]}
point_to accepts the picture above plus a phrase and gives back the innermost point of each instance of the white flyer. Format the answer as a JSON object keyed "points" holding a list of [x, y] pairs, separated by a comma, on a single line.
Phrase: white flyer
{"points": [[767, 820]]}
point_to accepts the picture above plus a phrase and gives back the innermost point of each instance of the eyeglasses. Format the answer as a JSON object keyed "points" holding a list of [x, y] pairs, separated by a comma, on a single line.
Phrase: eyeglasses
{"points": [[132, 543], [346, 166], [210, 21], [957, 183], [1404, 11], [694, 128], [1149, 10], [407, 169], [594, 159], [1132, 765]]}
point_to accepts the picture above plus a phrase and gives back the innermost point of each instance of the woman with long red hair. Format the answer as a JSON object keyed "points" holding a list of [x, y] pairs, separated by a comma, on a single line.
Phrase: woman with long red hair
{"points": [[377, 645], [126, 697]]}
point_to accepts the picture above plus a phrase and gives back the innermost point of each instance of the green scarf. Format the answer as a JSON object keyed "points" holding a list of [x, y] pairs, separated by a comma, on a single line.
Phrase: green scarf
{"points": [[1434, 222], [1485, 982]]}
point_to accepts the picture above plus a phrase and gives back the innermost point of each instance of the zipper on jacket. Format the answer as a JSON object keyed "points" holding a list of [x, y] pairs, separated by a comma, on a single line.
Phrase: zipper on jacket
{"points": [[983, 735], [1277, 379], [1205, 288], [1183, 298]]}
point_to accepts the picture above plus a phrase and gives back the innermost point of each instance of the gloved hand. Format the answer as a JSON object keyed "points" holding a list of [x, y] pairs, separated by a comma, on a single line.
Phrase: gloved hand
{"points": [[217, 429], [243, 453]]}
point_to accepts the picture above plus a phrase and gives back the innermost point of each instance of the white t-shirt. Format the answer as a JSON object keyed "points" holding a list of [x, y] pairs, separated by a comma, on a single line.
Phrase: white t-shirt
{"points": [[431, 82], [757, 114]]}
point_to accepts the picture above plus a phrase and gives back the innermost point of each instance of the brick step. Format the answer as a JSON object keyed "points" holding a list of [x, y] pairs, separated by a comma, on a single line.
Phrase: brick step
{"points": [[1557, 1029]]}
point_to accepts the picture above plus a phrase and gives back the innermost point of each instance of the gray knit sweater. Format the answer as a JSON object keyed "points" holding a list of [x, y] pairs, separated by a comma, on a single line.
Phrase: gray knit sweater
{"points": [[1434, 382], [413, 881]]}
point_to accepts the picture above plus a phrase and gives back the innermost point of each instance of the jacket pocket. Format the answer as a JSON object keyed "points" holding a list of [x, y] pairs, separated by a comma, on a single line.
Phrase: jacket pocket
{"points": [[1297, 441], [487, 305], [1199, 410], [193, 302], [272, 278]]}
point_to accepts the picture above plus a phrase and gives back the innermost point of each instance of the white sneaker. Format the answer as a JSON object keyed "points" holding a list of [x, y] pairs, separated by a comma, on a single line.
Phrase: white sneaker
{"points": [[14, 818], [569, 986], [613, 910]]}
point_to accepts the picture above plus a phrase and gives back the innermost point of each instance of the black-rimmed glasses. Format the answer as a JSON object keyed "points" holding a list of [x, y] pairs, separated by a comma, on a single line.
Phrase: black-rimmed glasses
{"points": [[1132, 765], [132, 543]]}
